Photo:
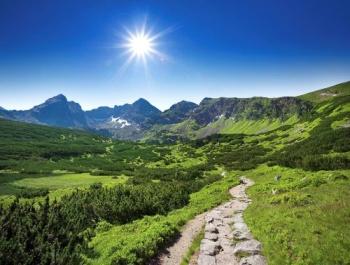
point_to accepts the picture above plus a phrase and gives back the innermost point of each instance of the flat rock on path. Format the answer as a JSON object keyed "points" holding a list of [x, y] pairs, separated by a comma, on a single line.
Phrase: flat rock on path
{"points": [[226, 230]]}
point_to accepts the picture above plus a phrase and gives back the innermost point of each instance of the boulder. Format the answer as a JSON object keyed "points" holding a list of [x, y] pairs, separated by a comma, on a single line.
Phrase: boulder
{"points": [[211, 236], [206, 260], [251, 247], [211, 228], [209, 247], [253, 260], [239, 235]]}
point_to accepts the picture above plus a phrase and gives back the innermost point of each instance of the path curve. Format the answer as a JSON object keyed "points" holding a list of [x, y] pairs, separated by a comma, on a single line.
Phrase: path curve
{"points": [[226, 238]]}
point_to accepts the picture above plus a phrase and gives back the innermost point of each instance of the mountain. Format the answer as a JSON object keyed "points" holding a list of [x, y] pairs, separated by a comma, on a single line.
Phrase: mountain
{"points": [[127, 121], [5, 113], [142, 121], [179, 111], [141, 112], [56, 111]]}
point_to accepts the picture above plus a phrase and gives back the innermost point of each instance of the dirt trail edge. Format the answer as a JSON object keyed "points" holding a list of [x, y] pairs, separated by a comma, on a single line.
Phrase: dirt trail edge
{"points": [[227, 238], [174, 254]]}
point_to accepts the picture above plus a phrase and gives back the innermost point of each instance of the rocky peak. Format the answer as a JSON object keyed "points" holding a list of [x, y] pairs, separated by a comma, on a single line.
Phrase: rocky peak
{"points": [[58, 98]]}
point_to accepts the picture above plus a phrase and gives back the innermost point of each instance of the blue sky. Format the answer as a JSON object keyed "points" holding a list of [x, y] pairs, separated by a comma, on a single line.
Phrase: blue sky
{"points": [[213, 48]]}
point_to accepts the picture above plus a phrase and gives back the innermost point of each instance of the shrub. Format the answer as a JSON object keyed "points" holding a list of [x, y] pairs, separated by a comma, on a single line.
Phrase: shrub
{"points": [[32, 193]]}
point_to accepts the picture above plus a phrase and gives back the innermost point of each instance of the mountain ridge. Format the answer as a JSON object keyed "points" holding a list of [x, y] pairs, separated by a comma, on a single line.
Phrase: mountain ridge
{"points": [[212, 115]]}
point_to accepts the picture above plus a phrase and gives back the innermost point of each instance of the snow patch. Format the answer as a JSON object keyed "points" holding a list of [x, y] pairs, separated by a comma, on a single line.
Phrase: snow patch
{"points": [[218, 117], [123, 123]]}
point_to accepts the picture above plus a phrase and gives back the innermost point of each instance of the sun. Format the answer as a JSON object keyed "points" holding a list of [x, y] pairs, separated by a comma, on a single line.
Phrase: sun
{"points": [[140, 45]]}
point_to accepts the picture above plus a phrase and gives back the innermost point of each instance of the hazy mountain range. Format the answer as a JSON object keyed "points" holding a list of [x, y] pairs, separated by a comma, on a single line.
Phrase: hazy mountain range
{"points": [[142, 120]]}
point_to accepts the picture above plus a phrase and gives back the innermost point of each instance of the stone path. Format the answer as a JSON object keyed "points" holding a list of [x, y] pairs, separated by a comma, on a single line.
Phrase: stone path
{"points": [[227, 239]]}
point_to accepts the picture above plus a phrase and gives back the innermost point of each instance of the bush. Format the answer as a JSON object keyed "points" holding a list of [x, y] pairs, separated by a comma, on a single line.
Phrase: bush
{"points": [[32, 193]]}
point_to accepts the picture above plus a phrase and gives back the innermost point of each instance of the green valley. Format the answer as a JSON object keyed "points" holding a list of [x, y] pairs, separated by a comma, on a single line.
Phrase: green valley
{"points": [[78, 197]]}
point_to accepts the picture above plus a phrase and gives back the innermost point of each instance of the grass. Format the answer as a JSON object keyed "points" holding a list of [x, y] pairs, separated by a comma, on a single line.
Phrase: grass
{"points": [[255, 127], [66, 181], [194, 248], [249, 127], [303, 218], [341, 123], [341, 109]]}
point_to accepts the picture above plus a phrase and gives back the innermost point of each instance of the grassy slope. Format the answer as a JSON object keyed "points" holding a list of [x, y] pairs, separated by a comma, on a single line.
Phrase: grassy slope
{"points": [[188, 129], [306, 221], [230, 126], [328, 93]]}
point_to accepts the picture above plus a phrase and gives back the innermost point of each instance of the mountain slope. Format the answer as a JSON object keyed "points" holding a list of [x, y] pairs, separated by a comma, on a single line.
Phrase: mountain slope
{"points": [[234, 115], [249, 108], [324, 94]]}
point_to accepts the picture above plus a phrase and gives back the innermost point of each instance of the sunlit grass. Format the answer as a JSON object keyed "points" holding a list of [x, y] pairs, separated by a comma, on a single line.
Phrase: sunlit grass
{"points": [[66, 181], [303, 218], [58, 185]]}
